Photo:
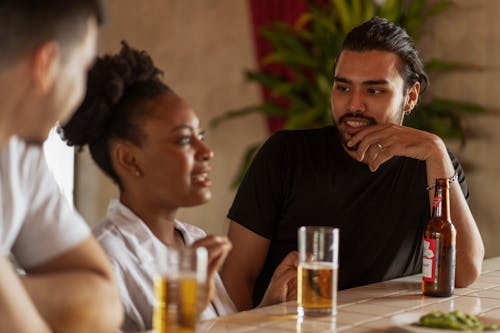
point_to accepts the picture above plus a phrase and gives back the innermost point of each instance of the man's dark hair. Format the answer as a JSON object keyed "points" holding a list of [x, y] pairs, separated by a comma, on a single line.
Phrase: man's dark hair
{"points": [[382, 35], [113, 108], [25, 24]]}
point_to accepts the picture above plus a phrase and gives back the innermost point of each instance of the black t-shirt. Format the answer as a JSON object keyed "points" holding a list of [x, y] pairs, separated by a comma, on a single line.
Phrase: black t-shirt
{"points": [[305, 177]]}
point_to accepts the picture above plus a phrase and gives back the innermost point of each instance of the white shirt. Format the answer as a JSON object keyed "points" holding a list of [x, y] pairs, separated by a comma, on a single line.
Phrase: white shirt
{"points": [[132, 249], [37, 222]]}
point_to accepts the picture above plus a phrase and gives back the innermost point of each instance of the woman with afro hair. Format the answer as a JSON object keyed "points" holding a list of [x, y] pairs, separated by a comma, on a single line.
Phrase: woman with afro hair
{"points": [[148, 141]]}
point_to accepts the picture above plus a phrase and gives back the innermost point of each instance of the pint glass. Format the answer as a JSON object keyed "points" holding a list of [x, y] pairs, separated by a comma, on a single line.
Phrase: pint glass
{"points": [[192, 285], [317, 270]]}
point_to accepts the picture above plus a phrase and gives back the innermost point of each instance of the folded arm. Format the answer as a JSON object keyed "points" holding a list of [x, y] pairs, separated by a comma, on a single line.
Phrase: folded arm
{"points": [[17, 311], [380, 143], [76, 292]]}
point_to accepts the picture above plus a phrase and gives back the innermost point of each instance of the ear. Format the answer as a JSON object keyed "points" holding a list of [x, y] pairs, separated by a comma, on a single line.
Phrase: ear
{"points": [[45, 62], [412, 97], [125, 160]]}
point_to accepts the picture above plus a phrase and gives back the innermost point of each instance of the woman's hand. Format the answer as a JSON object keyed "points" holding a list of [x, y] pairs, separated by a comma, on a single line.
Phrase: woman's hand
{"points": [[218, 248]]}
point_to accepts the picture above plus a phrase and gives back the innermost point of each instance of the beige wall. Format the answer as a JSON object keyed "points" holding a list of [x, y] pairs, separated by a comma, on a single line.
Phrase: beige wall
{"points": [[203, 46]]}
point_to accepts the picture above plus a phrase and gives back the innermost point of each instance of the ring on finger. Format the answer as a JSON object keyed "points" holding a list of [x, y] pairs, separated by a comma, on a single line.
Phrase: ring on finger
{"points": [[380, 147]]}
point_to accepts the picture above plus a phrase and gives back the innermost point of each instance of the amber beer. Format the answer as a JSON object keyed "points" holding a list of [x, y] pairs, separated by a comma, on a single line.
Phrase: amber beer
{"points": [[165, 307], [317, 270], [191, 296], [317, 286], [438, 269]]}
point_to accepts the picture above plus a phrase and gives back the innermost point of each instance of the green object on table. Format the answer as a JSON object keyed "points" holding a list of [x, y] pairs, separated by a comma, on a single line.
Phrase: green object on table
{"points": [[454, 320]]}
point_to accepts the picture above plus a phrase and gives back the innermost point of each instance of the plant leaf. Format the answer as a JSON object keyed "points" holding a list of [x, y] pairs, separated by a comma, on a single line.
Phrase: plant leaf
{"points": [[440, 6]]}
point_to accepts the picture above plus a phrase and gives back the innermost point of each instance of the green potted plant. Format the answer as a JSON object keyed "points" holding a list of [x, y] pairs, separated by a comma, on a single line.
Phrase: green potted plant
{"points": [[308, 49]]}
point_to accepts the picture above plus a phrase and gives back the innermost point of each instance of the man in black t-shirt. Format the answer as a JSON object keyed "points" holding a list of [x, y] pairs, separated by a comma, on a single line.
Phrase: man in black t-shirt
{"points": [[367, 176]]}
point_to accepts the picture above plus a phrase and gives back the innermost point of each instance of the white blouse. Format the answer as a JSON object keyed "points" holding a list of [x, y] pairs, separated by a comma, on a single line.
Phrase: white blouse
{"points": [[133, 250]]}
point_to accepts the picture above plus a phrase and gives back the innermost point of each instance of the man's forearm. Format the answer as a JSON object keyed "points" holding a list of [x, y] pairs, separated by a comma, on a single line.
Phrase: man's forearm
{"points": [[75, 301], [76, 291], [469, 246], [17, 312]]}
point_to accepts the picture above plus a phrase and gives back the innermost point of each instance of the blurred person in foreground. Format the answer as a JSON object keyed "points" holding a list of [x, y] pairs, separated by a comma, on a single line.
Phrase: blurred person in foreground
{"points": [[148, 140], [367, 175], [68, 285]]}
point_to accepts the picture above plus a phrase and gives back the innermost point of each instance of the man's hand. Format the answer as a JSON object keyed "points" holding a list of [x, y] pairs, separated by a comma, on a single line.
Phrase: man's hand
{"points": [[380, 143], [218, 248], [283, 284]]}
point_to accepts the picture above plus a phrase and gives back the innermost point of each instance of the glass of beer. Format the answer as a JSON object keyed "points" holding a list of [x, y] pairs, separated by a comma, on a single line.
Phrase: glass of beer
{"points": [[192, 281], [317, 270], [165, 285]]}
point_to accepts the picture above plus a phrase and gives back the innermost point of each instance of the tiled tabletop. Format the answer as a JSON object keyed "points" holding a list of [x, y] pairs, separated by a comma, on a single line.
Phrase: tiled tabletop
{"points": [[379, 307]]}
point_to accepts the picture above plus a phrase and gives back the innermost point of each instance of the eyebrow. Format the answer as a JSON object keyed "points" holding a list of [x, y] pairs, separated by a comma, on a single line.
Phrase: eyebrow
{"points": [[367, 82], [184, 126], [181, 127]]}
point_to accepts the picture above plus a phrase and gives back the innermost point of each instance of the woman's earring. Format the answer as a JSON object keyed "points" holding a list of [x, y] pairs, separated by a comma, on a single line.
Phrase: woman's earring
{"points": [[137, 172]]}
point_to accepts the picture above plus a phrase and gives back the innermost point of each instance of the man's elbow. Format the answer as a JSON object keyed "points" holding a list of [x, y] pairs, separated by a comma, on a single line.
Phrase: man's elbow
{"points": [[465, 279], [108, 314], [468, 274], [103, 312]]}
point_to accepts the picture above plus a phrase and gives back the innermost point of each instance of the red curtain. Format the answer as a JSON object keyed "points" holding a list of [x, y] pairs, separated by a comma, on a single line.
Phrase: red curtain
{"points": [[263, 13]]}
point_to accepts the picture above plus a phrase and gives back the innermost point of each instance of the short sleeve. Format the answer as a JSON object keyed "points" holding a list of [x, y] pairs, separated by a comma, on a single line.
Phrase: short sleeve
{"points": [[259, 199], [50, 226]]}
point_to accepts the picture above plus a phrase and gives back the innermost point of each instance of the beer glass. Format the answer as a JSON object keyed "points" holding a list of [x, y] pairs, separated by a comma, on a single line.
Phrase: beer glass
{"points": [[165, 289], [179, 286], [192, 283], [317, 270]]}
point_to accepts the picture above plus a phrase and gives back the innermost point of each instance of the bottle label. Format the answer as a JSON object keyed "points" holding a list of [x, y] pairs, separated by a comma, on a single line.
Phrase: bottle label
{"points": [[429, 261], [437, 201]]}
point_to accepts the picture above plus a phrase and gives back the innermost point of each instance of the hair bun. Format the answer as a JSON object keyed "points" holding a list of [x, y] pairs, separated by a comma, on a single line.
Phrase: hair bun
{"points": [[108, 81]]}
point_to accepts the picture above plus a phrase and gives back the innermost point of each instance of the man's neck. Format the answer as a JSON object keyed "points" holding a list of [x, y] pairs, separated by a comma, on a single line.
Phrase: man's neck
{"points": [[13, 88]]}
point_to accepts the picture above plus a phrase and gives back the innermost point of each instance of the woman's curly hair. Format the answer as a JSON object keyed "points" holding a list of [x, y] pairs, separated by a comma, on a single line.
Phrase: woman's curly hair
{"points": [[117, 85]]}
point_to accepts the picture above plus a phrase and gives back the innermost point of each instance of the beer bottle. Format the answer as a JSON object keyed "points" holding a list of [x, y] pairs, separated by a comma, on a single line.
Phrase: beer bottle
{"points": [[438, 269]]}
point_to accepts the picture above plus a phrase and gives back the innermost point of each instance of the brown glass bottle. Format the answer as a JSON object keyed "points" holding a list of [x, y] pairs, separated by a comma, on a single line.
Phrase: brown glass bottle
{"points": [[438, 270]]}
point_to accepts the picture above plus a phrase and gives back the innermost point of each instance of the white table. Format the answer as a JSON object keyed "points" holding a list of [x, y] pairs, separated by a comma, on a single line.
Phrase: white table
{"points": [[372, 308]]}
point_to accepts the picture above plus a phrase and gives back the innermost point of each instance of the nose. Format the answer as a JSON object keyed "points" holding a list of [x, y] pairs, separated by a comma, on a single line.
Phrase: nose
{"points": [[204, 153], [356, 102]]}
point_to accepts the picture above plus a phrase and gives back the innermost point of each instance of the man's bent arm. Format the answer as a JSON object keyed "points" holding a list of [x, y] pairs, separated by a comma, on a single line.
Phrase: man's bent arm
{"points": [[243, 264], [17, 312], [379, 143], [76, 292], [470, 248]]}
